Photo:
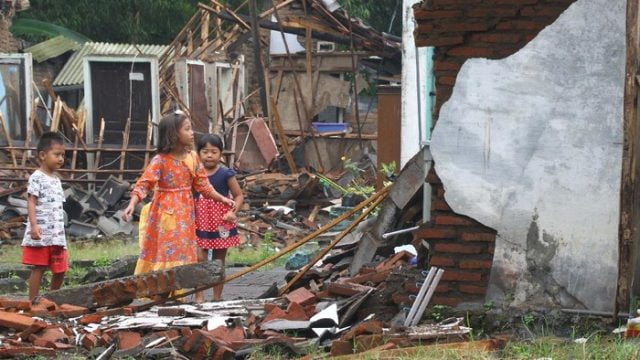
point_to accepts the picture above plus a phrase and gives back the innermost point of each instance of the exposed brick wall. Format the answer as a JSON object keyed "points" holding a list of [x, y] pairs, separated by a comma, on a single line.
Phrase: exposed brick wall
{"points": [[459, 30], [463, 29], [461, 246]]}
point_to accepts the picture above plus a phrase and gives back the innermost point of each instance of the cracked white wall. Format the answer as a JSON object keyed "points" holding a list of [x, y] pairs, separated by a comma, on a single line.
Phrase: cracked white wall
{"points": [[531, 146]]}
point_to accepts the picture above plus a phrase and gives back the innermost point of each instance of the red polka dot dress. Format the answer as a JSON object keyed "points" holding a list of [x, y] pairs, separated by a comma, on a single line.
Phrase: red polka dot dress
{"points": [[213, 232]]}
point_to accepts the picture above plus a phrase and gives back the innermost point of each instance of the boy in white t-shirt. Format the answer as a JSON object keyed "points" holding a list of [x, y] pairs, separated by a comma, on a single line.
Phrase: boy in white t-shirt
{"points": [[44, 244]]}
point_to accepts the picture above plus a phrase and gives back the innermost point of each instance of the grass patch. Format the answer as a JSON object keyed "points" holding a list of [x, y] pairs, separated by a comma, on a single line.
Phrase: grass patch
{"points": [[103, 253], [248, 255]]}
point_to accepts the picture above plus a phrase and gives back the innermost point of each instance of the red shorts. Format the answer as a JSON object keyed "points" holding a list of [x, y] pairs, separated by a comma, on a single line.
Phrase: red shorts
{"points": [[55, 257]]}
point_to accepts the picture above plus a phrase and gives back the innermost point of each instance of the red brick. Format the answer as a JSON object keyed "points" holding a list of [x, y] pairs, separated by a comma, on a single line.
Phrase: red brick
{"points": [[346, 289], [301, 296], [492, 12], [439, 205], [497, 38], [458, 248], [437, 40], [228, 335], [462, 27], [340, 348], [51, 334], [491, 249], [396, 259], [437, 14], [520, 25], [512, 2], [89, 341], [15, 321], [447, 80], [443, 288], [441, 261], [401, 299], [473, 289], [470, 51], [367, 327], [432, 178], [91, 319], [453, 220], [296, 312], [440, 65], [105, 340], [445, 300], [475, 264], [549, 11], [444, 3], [34, 328], [372, 277], [452, 275], [436, 233], [469, 236], [16, 304], [128, 339], [70, 311]]}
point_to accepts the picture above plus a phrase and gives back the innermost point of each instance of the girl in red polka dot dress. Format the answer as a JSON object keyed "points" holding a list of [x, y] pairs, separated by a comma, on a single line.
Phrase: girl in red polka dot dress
{"points": [[215, 221]]}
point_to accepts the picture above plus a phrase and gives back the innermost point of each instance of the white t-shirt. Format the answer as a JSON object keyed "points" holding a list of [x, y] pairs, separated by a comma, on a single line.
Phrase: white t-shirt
{"points": [[49, 212]]}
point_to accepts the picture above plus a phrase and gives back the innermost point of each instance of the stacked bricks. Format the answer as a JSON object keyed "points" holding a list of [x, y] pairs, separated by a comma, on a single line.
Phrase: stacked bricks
{"points": [[463, 29], [461, 246]]}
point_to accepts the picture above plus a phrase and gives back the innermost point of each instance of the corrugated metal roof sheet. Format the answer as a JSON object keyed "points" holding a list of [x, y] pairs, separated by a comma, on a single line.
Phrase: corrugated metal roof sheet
{"points": [[52, 48], [72, 72]]}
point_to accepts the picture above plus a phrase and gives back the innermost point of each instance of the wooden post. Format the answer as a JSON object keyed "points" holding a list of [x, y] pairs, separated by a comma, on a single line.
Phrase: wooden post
{"points": [[148, 143], [283, 138], [629, 241], [78, 132], [257, 54], [7, 138], [125, 144], [96, 163], [354, 67]]}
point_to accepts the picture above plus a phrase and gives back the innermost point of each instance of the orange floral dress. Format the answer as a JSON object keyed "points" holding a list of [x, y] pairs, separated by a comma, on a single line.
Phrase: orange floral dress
{"points": [[169, 236]]}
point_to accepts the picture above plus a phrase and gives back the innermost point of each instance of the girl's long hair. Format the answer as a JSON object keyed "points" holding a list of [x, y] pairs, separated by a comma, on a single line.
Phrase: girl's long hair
{"points": [[168, 131]]}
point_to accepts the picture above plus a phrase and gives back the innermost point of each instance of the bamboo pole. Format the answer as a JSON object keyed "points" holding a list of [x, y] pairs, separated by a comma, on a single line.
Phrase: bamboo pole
{"points": [[332, 244]]}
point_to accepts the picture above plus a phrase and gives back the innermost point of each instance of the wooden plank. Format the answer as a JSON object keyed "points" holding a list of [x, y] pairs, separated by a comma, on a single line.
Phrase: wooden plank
{"points": [[283, 138], [125, 144], [7, 138], [30, 129], [628, 286]]}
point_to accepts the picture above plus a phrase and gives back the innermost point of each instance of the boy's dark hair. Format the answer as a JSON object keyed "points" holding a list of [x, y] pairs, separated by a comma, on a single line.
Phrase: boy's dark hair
{"points": [[48, 139], [168, 131], [213, 140]]}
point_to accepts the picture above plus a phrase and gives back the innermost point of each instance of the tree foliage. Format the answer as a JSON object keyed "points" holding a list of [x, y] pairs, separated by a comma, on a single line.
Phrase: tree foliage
{"points": [[124, 21], [158, 21], [380, 14]]}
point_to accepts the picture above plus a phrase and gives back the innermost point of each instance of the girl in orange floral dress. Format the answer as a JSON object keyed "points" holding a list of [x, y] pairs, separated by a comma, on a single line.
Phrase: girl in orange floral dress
{"points": [[170, 232]]}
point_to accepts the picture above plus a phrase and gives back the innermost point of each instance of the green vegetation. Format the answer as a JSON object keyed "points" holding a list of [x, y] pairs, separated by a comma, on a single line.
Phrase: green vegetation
{"points": [[157, 21], [102, 252], [248, 255]]}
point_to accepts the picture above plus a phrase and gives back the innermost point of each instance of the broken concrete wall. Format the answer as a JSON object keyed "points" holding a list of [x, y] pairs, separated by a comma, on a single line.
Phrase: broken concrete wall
{"points": [[531, 146]]}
